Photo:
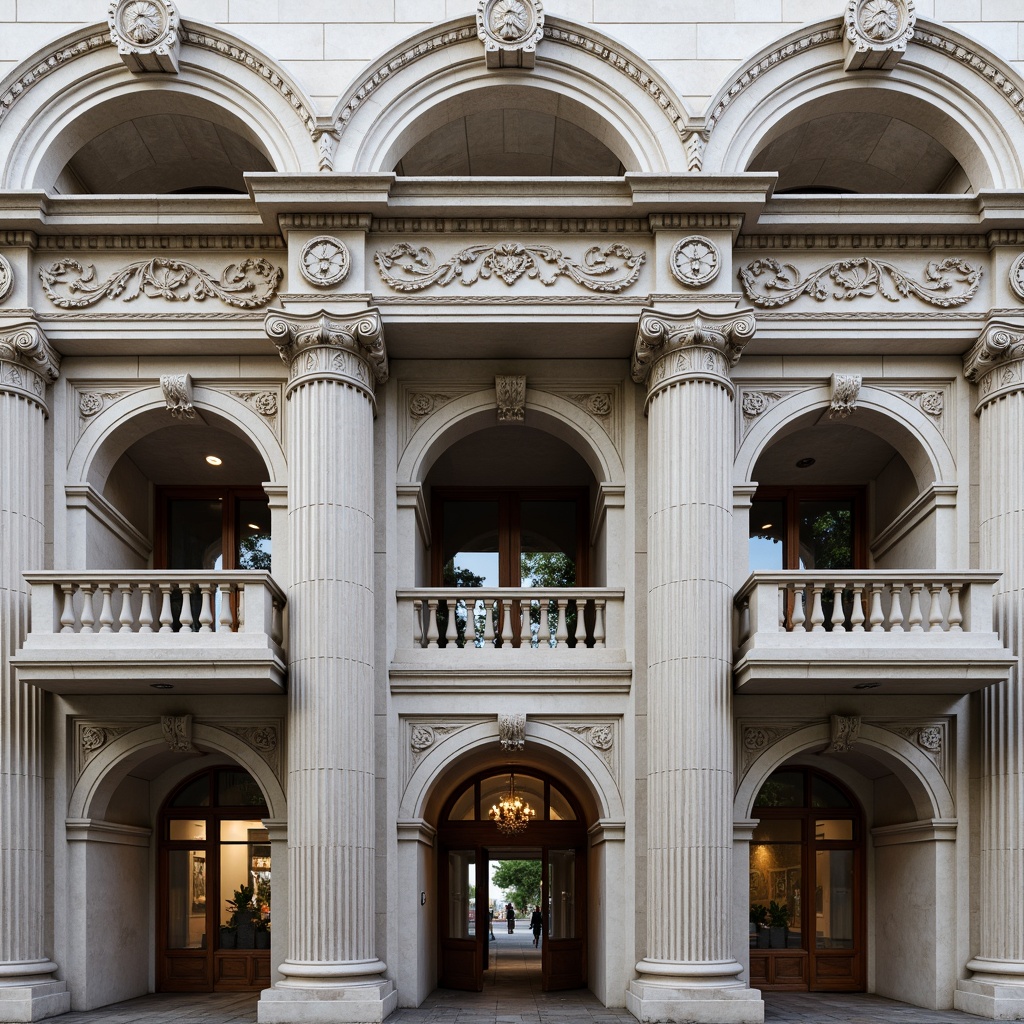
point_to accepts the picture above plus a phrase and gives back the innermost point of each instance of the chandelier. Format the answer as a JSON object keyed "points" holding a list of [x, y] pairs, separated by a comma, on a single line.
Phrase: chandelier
{"points": [[511, 813]]}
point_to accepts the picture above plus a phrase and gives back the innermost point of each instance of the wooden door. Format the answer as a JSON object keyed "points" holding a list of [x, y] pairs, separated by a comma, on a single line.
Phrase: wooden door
{"points": [[564, 954], [463, 930]]}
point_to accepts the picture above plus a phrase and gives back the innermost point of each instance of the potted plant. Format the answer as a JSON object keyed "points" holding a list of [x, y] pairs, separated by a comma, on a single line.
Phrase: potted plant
{"points": [[241, 919], [759, 923], [778, 924], [262, 934]]}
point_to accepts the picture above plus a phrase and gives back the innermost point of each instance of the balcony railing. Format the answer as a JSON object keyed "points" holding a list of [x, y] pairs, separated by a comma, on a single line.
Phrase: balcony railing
{"points": [[88, 629], [466, 634], [903, 631]]}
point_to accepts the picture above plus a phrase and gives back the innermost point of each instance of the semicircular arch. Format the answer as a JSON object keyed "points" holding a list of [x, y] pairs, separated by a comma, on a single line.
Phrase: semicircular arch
{"points": [[950, 98], [910, 432], [458, 756], [86, 89], [439, 74], [915, 770], [98, 783], [473, 412], [110, 433]]}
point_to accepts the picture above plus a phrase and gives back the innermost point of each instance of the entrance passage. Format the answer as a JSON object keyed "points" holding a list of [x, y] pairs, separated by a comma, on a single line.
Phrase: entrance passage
{"points": [[807, 886], [469, 842]]}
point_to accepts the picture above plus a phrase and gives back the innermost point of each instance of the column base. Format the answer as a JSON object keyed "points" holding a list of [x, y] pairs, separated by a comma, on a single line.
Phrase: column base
{"points": [[344, 993], [33, 1000], [996, 991], [700, 993]]}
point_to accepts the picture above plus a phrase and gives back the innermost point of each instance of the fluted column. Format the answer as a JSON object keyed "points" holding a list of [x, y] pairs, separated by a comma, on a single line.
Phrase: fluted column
{"points": [[689, 972], [27, 988], [996, 988], [332, 971]]}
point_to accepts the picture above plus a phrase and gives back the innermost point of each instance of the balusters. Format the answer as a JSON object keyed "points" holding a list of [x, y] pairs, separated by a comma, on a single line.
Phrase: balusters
{"points": [[896, 609], [417, 624], [955, 617], [915, 616], [817, 612], [185, 618], [166, 615], [837, 618], [526, 625], [277, 622], [488, 623], [561, 623], [935, 608], [432, 633], [146, 608], [599, 627], [857, 612], [206, 608], [88, 614], [798, 617], [125, 617], [506, 622], [224, 620], [67, 614], [875, 617], [106, 608]]}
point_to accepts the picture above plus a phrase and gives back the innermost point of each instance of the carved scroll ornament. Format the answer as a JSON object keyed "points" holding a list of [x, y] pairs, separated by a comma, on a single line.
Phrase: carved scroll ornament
{"points": [[845, 388], [949, 282], [408, 269], [249, 284], [177, 389], [511, 392], [844, 731]]}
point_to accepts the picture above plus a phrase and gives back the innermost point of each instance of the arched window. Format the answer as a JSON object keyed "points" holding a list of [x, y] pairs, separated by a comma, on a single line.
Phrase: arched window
{"points": [[214, 888]]}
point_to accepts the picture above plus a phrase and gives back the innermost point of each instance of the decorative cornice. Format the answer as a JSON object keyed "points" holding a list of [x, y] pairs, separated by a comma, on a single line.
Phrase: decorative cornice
{"points": [[348, 347], [994, 363], [705, 345]]}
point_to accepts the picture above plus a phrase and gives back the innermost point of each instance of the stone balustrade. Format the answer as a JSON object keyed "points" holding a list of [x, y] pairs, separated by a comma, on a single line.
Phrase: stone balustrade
{"points": [[92, 629], [902, 631]]}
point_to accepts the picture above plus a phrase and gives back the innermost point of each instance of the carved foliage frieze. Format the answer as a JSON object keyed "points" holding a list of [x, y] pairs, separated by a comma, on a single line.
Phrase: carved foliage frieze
{"points": [[248, 284], [946, 283], [608, 268]]}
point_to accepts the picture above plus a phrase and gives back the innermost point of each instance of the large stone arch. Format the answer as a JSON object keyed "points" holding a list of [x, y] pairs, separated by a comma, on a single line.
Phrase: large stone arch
{"points": [[79, 87], [910, 431], [586, 770], [945, 78], [472, 412], [911, 765], [600, 85], [111, 432]]}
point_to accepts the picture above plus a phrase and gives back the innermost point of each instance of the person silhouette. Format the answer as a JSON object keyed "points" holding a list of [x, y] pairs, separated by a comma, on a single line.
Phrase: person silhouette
{"points": [[537, 924], [510, 916]]}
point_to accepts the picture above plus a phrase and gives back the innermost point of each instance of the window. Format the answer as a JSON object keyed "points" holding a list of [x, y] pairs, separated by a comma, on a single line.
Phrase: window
{"points": [[510, 538], [807, 528], [206, 529]]}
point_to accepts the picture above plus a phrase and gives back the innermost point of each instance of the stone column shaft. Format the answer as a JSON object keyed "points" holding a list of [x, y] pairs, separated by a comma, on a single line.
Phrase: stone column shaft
{"points": [[689, 969], [27, 991], [996, 990], [332, 963]]}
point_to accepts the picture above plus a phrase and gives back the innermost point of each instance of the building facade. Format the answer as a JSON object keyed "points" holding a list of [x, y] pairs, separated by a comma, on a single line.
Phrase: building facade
{"points": [[404, 402]]}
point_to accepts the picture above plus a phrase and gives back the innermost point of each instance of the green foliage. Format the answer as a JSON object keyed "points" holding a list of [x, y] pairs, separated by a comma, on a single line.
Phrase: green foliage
{"points": [[241, 906], [829, 534], [778, 915], [759, 914], [252, 553], [453, 576], [547, 569], [520, 879]]}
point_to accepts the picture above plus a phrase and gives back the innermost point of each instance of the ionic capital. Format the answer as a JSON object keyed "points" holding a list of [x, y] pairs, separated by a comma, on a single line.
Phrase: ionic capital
{"points": [[27, 362], [996, 361], [346, 347], [701, 344]]}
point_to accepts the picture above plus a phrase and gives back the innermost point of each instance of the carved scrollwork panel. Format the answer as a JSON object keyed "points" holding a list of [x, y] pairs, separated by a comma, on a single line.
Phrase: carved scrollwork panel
{"points": [[91, 737]]}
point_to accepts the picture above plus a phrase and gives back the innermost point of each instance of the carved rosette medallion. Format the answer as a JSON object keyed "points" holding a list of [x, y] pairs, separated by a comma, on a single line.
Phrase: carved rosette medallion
{"points": [[695, 261], [324, 261], [597, 404], [27, 363], [6, 277], [996, 361], [510, 31], [932, 403], [599, 736], [321, 346], [145, 33], [422, 404], [670, 349], [877, 33], [1016, 277]]}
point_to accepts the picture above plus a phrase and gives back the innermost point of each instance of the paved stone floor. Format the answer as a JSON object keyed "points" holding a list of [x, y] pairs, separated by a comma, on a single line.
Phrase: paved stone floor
{"points": [[512, 995]]}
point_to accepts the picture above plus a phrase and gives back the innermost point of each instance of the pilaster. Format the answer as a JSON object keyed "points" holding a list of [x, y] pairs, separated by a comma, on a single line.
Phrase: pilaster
{"points": [[28, 990], [332, 972], [996, 988], [689, 972]]}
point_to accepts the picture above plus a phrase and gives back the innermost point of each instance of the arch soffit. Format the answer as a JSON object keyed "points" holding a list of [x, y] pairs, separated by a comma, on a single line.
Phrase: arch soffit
{"points": [[472, 412], [640, 110], [81, 71], [421, 797], [93, 791], [109, 435], [941, 68], [923, 782], [913, 434]]}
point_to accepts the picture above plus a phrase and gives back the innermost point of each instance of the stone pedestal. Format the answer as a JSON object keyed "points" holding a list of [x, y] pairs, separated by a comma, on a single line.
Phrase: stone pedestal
{"points": [[689, 973], [331, 972], [996, 989], [28, 990]]}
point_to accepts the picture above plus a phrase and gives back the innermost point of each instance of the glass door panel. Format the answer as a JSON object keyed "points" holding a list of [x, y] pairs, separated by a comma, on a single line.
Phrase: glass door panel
{"points": [[186, 899], [461, 952], [834, 900], [767, 535], [461, 894], [252, 534], [563, 956], [195, 533], [562, 894]]}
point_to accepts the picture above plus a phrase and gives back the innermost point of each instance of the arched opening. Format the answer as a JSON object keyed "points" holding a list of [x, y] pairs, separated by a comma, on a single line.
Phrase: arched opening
{"points": [[512, 131], [807, 885], [540, 836], [214, 863], [866, 141]]}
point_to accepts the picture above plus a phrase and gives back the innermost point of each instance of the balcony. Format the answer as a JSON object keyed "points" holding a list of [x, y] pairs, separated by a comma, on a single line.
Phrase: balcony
{"points": [[459, 639], [875, 631], [141, 631]]}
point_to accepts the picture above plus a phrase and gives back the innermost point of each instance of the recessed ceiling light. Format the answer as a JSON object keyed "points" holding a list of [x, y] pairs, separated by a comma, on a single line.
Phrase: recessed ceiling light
{"points": [[162, 686], [804, 463], [767, 526], [254, 526], [213, 460]]}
